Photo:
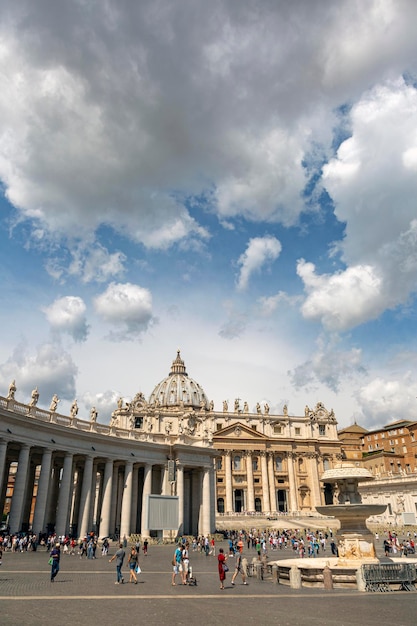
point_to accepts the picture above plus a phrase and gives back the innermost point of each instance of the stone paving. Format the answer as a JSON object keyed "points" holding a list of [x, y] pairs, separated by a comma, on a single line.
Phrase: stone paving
{"points": [[84, 593]]}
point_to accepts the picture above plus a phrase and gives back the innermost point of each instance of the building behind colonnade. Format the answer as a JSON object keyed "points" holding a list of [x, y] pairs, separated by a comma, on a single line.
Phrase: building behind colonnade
{"points": [[168, 463]]}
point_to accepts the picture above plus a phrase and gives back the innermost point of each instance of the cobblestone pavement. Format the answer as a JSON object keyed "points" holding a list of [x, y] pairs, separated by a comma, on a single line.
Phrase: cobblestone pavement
{"points": [[84, 593]]}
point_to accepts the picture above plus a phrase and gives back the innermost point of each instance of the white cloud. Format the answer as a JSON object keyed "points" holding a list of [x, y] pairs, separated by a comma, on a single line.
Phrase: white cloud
{"points": [[260, 251], [268, 304], [127, 307], [95, 263], [267, 182], [50, 368], [105, 403], [105, 116], [67, 315], [341, 300], [383, 400], [373, 185], [330, 365]]}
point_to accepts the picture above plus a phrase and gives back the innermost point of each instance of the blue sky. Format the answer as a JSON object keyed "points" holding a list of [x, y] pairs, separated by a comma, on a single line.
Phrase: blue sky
{"points": [[236, 181]]}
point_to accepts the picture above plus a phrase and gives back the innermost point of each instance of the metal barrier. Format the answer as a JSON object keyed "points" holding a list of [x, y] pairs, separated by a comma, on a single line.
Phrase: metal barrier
{"points": [[383, 576]]}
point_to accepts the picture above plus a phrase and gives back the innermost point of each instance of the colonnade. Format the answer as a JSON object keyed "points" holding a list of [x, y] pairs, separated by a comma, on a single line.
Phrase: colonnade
{"points": [[46, 490]]}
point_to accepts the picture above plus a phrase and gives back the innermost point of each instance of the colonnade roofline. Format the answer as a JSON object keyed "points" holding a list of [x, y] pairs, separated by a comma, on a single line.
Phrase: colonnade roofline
{"points": [[19, 430]]}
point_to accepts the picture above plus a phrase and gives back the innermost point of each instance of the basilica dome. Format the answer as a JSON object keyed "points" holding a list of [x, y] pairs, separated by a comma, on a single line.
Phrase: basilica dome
{"points": [[178, 389]]}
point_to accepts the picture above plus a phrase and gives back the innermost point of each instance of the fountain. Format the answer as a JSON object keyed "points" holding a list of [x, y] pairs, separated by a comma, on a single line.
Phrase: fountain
{"points": [[355, 542], [354, 539]]}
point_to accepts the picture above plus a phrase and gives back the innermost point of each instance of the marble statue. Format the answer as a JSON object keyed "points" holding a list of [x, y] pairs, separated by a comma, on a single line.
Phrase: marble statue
{"points": [[93, 414], [245, 407], [258, 408], [225, 406], [54, 403], [12, 390], [74, 409], [34, 397], [266, 408]]}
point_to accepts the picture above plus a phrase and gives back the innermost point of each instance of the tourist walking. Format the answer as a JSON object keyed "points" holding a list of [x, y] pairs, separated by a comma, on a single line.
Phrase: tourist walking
{"points": [[239, 569], [54, 557], [133, 562], [145, 547], [176, 563], [222, 567], [185, 563], [120, 557]]}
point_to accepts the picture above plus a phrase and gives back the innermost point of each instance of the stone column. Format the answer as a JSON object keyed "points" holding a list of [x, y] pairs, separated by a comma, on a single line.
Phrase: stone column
{"points": [[114, 498], [30, 484], [83, 525], [62, 515], [105, 507], [42, 494], [3, 452], [265, 485], [19, 491], [93, 499], [315, 483], [53, 494], [134, 509], [205, 525], [251, 490], [293, 506], [147, 488], [271, 477], [126, 501], [213, 495], [180, 494], [3, 492], [229, 486]]}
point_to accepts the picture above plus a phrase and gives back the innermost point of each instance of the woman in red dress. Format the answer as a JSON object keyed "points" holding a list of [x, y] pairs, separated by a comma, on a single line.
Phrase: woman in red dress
{"points": [[221, 562]]}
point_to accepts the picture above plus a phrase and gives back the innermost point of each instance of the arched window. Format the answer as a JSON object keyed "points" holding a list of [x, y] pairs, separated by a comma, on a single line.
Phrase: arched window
{"points": [[258, 505], [219, 463], [255, 463], [278, 463], [220, 505], [236, 462], [326, 464]]}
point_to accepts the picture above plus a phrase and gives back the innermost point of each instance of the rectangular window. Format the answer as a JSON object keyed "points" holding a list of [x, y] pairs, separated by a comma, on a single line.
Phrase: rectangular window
{"points": [[254, 427], [322, 429], [277, 430], [220, 480], [297, 431]]}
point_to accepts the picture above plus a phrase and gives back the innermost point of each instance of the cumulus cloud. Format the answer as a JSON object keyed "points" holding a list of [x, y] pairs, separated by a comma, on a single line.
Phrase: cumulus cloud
{"points": [[260, 251], [105, 115], [50, 368], [373, 185], [127, 307], [67, 315], [344, 299], [268, 304], [104, 402], [330, 365], [384, 400]]}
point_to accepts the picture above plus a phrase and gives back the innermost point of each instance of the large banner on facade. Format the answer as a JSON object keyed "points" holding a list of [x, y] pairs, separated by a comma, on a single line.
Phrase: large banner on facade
{"points": [[163, 512]]}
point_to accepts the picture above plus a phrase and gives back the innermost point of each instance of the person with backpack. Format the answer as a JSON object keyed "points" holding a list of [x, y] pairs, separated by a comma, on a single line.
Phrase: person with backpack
{"points": [[176, 563]]}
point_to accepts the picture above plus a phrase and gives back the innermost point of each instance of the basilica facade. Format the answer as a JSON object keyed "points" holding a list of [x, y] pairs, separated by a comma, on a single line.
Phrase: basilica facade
{"points": [[164, 465]]}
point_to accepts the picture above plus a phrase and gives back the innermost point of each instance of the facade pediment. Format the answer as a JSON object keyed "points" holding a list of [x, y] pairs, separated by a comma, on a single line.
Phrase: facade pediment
{"points": [[239, 430]]}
